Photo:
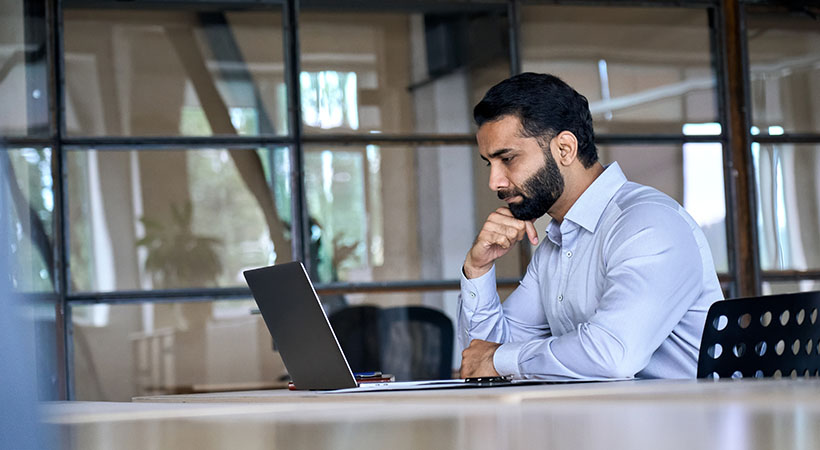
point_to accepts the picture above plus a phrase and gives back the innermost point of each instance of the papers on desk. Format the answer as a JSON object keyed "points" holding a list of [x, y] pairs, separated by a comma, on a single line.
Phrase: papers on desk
{"points": [[402, 386], [458, 383]]}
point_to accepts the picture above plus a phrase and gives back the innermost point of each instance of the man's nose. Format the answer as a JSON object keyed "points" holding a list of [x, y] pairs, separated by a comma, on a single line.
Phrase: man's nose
{"points": [[498, 179]]}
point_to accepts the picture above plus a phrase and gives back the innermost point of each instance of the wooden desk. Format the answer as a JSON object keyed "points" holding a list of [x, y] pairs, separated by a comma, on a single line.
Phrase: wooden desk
{"points": [[753, 414]]}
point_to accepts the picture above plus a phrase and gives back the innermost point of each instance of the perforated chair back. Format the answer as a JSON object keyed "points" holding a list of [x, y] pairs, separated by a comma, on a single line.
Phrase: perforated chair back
{"points": [[770, 336]]}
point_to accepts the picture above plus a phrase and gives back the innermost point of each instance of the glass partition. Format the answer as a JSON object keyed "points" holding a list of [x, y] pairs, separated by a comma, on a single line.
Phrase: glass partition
{"points": [[784, 71], [168, 219], [122, 351], [396, 213], [788, 287], [28, 188], [174, 73], [24, 73], [398, 73], [634, 84], [127, 350], [788, 205]]}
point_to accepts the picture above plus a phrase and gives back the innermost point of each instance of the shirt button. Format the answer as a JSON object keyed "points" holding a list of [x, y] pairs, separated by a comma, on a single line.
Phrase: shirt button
{"points": [[560, 298], [569, 254], [472, 294]]}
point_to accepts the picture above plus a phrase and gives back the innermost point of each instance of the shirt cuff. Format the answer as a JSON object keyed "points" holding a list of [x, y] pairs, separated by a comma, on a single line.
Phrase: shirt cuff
{"points": [[472, 290], [505, 359]]}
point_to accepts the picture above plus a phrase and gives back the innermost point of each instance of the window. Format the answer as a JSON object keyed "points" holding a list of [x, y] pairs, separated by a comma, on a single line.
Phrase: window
{"points": [[28, 188], [784, 66], [788, 204], [633, 84], [24, 86], [170, 219], [174, 72], [784, 72]]}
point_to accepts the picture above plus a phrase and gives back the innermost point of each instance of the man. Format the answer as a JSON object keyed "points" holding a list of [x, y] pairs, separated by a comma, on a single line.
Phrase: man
{"points": [[621, 285]]}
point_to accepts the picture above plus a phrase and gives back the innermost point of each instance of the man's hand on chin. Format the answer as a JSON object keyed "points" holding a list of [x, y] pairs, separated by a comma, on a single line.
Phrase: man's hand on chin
{"points": [[477, 359]]}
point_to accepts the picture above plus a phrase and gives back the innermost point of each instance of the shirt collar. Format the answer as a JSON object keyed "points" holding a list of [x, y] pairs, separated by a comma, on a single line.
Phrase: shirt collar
{"points": [[589, 207]]}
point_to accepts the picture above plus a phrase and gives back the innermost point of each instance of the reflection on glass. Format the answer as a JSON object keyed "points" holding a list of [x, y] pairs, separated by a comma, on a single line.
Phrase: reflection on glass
{"points": [[173, 72], [329, 99], [335, 189], [784, 64], [395, 213], [703, 188], [633, 84], [788, 201], [388, 73], [788, 287], [691, 174], [27, 187], [121, 351], [175, 219], [23, 70], [405, 335]]}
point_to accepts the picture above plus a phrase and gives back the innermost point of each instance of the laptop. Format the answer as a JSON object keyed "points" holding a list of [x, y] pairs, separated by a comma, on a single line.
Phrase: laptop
{"points": [[306, 342], [309, 348]]}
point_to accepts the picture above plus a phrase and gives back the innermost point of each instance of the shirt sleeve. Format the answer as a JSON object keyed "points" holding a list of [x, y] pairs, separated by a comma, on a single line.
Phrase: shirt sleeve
{"points": [[482, 316], [653, 273]]}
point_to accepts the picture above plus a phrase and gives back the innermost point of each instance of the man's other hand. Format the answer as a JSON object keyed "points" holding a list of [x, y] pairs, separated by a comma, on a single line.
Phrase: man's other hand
{"points": [[498, 235], [477, 359]]}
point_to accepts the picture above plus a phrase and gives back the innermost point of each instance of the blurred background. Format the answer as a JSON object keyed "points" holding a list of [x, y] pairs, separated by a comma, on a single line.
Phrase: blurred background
{"points": [[152, 151]]}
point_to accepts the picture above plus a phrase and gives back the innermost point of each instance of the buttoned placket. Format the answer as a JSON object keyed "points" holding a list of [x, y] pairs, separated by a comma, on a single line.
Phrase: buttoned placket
{"points": [[569, 232]]}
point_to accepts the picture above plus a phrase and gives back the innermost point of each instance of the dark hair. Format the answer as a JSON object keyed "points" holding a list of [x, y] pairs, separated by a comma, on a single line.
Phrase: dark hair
{"points": [[545, 105]]}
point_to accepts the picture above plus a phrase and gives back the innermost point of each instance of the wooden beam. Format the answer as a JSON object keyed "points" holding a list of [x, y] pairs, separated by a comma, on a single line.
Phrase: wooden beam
{"points": [[741, 200]]}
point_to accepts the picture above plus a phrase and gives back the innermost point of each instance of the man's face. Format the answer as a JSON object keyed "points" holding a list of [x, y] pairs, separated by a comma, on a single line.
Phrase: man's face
{"points": [[524, 174]]}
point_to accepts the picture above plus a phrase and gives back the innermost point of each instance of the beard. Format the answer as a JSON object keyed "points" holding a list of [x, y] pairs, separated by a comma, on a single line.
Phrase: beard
{"points": [[539, 192]]}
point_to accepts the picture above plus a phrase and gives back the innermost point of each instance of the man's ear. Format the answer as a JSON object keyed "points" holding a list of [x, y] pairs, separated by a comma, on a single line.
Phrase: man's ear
{"points": [[567, 148]]}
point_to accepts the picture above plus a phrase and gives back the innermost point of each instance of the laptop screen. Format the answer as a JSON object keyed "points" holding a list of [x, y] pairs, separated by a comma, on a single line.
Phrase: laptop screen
{"points": [[296, 321]]}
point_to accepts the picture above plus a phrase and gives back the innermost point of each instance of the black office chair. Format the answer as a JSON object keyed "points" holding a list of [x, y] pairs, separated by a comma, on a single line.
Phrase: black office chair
{"points": [[410, 342], [772, 336], [357, 330], [416, 343]]}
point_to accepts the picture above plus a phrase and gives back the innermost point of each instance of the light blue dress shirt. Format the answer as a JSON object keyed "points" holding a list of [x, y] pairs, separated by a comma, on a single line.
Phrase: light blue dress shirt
{"points": [[619, 288]]}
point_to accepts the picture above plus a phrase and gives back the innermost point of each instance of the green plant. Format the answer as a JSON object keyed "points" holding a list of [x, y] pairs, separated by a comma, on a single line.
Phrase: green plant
{"points": [[177, 257]]}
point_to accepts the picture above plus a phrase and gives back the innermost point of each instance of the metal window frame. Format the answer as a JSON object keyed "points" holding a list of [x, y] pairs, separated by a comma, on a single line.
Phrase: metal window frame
{"points": [[61, 143]]}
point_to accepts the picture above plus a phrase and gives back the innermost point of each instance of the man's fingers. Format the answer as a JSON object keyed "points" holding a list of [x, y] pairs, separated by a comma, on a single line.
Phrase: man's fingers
{"points": [[506, 221], [466, 368], [531, 232], [504, 217], [498, 234], [501, 240], [514, 234]]}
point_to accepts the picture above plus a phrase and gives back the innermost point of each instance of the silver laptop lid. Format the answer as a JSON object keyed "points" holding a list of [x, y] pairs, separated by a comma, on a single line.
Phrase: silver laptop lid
{"points": [[299, 326]]}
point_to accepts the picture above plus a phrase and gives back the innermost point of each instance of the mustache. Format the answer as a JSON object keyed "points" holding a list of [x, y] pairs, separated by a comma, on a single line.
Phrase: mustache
{"points": [[505, 194]]}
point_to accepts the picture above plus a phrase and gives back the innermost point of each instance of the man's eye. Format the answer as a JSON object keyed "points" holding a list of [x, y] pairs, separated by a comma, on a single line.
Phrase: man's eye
{"points": [[507, 159]]}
